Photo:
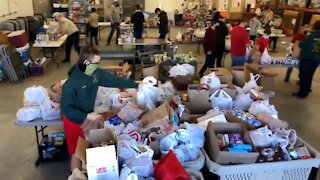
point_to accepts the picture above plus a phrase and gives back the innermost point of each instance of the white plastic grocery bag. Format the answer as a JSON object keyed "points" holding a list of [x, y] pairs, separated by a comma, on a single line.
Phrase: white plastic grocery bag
{"points": [[261, 137], [221, 100], [48, 111], [251, 84], [228, 44], [142, 166], [263, 107], [27, 114], [242, 101], [179, 37], [248, 52], [266, 58], [148, 95], [212, 80], [35, 94], [181, 70], [127, 174]]}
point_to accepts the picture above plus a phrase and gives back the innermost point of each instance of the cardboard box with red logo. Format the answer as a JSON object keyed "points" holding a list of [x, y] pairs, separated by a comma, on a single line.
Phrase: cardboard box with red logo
{"points": [[101, 162]]}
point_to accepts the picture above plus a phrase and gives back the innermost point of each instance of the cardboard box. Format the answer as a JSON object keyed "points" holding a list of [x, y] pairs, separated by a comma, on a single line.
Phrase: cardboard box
{"points": [[95, 136], [231, 118], [215, 117], [160, 113], [102, 163], [198, 100], [123, 69], [4, 37], [267, 76], [225, 157]]}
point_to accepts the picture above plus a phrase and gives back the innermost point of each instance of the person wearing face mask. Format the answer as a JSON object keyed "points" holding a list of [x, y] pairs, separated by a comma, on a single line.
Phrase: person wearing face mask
{"points": [[79, 95], [299, 36], [263, 41], [209, 47]]}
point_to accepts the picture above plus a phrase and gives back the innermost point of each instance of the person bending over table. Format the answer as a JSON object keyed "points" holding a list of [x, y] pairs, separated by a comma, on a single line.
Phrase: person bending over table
{"points": [[66, 26], [79, 94], [239, 42], [163, 23], [309, 60], [137, 20]]}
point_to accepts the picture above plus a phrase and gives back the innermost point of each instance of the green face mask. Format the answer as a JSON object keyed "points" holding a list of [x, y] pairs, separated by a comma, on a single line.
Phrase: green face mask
{"points": [[91, 68]]}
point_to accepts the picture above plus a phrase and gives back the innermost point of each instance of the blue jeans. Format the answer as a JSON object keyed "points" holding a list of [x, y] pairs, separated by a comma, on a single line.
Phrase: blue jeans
{"points": [[238, 60]]}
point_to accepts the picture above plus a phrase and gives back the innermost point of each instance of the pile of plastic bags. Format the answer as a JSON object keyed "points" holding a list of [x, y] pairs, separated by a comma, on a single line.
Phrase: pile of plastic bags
{"points": [[248, 98], [37, 104]]}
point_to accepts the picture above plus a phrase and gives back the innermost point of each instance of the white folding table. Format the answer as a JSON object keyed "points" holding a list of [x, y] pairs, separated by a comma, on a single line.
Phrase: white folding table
{"points": [[52, 46]]}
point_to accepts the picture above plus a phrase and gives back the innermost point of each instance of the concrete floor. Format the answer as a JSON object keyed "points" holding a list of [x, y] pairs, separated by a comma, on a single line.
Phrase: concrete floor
{"points": [[18, 146]]}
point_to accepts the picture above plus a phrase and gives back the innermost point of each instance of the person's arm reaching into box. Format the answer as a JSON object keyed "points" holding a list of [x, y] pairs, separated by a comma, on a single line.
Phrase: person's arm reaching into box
{"points": [[79, 96], [110, 80]]}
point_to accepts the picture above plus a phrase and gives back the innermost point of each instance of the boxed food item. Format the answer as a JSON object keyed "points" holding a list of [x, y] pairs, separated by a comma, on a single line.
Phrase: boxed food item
{"points": [[249, 120], [102, 163], [92, 152], [228, 157]]}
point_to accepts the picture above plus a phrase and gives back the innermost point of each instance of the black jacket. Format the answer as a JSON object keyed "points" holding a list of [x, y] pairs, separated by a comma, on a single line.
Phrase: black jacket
{"points": [[163, 22], [222, 32], [137, 20]]}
